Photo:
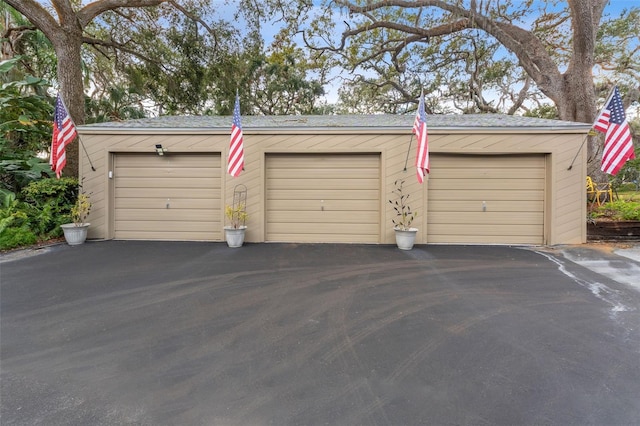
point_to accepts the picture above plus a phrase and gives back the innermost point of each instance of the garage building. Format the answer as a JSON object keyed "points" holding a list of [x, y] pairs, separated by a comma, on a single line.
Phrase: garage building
{"points": [[494, 179]]}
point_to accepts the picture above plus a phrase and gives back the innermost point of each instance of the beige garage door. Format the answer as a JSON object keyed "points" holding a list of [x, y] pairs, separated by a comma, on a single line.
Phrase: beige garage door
{"points": [[173, 197], [486, 199], [323, 198]]}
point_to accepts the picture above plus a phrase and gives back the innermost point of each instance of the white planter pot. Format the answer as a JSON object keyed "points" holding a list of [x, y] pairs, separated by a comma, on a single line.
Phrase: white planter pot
{"points": [[234, 236], [406, 239], [75, 235]]}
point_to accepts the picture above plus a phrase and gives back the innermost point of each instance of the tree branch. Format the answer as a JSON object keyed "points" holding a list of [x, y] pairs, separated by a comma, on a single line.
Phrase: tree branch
{"points": [[197, 19], [525, 45], [36, 14], [93, 9], [114, 45], [65, 12]]}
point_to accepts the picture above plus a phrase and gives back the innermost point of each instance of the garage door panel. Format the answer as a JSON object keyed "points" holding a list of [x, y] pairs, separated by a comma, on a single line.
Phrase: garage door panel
{"points": [[184, 172], [198, 235], [169, 225], [323, 198], [174, 197], [488, 218], [333, 184], [481, 239], [324, 237], [329, 205], [494, 230], [168, 161], [340, 162], [496, 199], [166, 215], [441, 205], [174, 203], [513, 195], [479, 184], [484, 173], [185, 193], [362, 229], [322, 194], [327, 217], [167, 182], [355, 173]]}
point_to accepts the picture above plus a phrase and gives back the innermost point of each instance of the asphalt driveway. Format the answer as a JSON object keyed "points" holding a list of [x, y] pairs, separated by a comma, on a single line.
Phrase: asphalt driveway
{"points": [[148, 333]]}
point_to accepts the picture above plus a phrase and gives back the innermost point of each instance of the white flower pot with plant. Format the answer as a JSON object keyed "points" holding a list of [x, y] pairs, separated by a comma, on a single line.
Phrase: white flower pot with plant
{"points": [[405, 234], [234, 232], [76, 233]]}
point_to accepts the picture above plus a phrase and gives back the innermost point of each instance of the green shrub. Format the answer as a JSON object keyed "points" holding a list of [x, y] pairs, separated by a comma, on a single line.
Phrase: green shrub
{"points": [[619, 210], [14, 224], [43, 205], [48, 204], [17, 237], [62, 191]]}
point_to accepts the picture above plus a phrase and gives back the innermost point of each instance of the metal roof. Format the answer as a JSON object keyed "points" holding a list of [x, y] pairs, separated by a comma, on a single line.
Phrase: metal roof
{"points": [[371, 122]]}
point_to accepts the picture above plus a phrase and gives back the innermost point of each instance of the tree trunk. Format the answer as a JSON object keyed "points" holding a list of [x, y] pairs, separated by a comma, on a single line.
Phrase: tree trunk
{"points": [[68, 48], [66, 36]]}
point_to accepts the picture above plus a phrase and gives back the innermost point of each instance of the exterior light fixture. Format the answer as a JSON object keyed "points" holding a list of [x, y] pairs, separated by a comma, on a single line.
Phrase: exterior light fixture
{"points": [[160, 150]]}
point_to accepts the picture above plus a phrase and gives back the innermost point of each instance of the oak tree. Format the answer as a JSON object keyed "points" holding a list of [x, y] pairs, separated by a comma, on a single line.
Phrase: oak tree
{"points": [[556, 45]]}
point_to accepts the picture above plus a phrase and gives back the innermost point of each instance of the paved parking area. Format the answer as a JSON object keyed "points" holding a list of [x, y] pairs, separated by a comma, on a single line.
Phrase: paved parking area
{"points": [[142, 333]]}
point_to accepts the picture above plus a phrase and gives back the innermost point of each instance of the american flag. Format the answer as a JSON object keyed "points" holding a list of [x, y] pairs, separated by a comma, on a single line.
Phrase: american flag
{"points": [[64, 131], [420, 130], [236, 148], [618, 145]]}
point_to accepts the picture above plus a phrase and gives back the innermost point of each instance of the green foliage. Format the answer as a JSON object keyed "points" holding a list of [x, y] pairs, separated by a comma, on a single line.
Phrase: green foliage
{"points": [[33, 50], [115, 104], [49, 203], [37, 215], [237, 215], [543, 111], [394, 48], [25, 129], [81, 209], [14, 223], [17, 237], [280, 83], [618, 210], [617, 47]]}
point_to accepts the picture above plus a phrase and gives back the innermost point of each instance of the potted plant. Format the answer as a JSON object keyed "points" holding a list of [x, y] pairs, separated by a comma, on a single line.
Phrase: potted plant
{"points": [[234, 232], [405, 234], [76, 233]]}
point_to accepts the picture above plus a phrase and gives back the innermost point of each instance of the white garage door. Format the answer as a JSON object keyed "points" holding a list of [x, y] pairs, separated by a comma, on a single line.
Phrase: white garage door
{"points": [[170, 197], [486, 199], [323, 198]]}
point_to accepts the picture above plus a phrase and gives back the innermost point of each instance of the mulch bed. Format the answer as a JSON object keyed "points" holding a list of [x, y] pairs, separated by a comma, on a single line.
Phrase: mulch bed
{"points": [[609, 230]]}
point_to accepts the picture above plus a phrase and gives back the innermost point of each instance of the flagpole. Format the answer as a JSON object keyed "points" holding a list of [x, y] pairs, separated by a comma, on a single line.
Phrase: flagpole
{"points": [[406, 161], [86, 153], [408, 151], [78, 136], [591, 131]]}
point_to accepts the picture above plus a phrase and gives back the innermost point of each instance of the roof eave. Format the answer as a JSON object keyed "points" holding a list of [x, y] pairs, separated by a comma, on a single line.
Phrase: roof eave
{"points": [[88, 129]]}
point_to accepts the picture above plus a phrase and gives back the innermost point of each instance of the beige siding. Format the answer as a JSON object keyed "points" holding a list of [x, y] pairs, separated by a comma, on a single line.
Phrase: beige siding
{"points": [[323, 198], [486, 199], [173, 197], [563, 199]]}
